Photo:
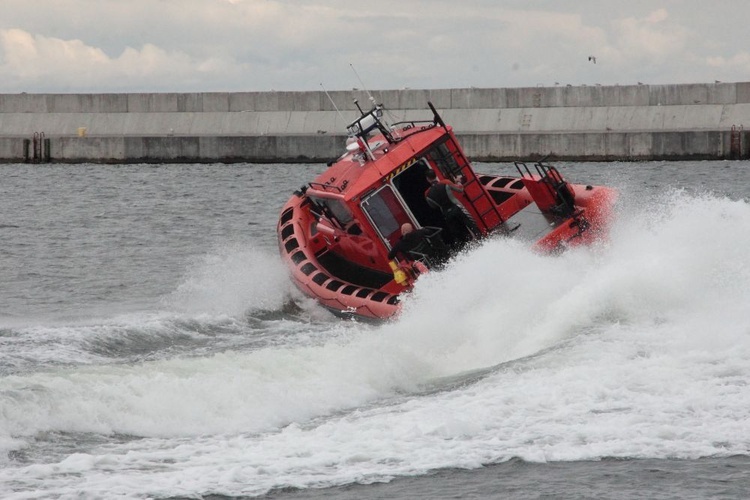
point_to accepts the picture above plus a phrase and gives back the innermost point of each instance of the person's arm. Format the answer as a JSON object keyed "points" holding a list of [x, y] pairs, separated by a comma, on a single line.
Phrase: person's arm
{"points": [[454, 187], [423, 233], [452, 197], [396, 249]]}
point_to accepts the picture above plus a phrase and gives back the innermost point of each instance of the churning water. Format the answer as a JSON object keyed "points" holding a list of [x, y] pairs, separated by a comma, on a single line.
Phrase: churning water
{"points": [[152, 347]]}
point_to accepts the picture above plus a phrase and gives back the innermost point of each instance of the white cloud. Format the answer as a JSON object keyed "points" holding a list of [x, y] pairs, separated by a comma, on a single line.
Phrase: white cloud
{"points": [[739, 61], [36, 60], [657, 16], [650, 37], [209, 45], [28, 56]]}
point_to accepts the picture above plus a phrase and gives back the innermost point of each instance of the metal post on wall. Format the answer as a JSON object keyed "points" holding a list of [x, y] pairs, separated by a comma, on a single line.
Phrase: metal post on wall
{"points": [[27, 150], [735, 143], [40, 149], [36, 150], [46, 149]]}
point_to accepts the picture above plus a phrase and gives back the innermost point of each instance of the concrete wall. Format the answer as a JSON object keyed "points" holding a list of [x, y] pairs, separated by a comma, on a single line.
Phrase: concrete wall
{"points": [[579, 123]]}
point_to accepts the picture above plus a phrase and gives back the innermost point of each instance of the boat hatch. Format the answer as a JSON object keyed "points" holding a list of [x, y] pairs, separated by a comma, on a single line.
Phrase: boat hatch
{"points": [[386, 213], [411, 184], [530, 224]]}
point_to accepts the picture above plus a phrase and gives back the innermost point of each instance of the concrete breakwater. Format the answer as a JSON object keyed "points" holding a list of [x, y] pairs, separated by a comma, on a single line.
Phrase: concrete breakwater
{"points": [[636, 122]]}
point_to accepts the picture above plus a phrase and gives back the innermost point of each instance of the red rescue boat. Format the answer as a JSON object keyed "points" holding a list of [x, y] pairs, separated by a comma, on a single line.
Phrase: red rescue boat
{"points": [[336, 233]]}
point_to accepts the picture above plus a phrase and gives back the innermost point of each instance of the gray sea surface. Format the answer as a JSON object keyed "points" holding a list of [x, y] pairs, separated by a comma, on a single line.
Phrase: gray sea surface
{"points": [[151, 346]]}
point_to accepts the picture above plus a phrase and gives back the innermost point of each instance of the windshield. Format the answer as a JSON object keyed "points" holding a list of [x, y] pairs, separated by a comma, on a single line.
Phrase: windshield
{"points": [[386, 213], [334, 209]]}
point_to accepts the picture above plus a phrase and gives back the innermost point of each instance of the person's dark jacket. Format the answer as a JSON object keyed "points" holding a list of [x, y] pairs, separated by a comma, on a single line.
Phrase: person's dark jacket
{"points": [[408, 243]]}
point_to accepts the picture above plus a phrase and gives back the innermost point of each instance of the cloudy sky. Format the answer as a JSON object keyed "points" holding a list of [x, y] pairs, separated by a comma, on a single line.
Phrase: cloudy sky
{"points": [[246, 45]]}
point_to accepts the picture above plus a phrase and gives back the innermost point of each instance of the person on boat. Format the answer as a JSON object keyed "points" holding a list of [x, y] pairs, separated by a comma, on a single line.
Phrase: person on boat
{"points": [[440, 196], [410, 241], [412, 247], [421, 243]]}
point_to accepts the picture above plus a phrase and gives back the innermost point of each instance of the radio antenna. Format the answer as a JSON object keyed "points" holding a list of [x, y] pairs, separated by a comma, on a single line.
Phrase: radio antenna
{"points": [[372, 99], [334, 104]]}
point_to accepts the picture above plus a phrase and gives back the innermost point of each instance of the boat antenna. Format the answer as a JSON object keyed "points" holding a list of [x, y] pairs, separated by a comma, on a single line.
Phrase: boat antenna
{"points": [[369, 95], [334, 104]]}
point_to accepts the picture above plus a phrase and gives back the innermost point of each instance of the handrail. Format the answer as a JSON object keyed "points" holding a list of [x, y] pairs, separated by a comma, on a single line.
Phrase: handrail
{"points": [[436, 115], [324, 186]]}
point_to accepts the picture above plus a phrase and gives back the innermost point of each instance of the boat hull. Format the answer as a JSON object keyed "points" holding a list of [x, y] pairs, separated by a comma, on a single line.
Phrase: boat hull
{"points": [[353, 291], [303, 250]]}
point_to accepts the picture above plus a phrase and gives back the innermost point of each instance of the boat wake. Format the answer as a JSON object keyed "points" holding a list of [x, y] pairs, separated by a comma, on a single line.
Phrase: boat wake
{"points": [[656, 266], [230, 281], [233, 298], [637, 347]]}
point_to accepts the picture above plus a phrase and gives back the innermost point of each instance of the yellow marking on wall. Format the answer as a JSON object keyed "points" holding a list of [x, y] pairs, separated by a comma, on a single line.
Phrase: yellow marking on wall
{"points": [[400, 169]]}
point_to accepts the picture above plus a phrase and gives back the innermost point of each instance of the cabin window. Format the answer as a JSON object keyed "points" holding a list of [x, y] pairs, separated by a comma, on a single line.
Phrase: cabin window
{"points": [[334, 209], [386, 214]]}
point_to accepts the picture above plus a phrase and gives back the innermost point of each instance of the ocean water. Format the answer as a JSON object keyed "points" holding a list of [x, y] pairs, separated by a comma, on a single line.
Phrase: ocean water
{"points": [[152, 347]]}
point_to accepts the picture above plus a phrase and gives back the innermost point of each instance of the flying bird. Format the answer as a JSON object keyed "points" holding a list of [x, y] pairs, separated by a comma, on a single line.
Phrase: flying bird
{"points": [[592, 59]]}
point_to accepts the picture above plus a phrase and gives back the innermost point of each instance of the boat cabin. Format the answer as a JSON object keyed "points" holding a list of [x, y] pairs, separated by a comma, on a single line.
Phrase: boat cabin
{"points": [[363, 199]]}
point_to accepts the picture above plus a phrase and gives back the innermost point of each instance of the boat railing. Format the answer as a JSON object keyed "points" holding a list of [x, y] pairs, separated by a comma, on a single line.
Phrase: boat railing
{"points": [[551, 180], [409, 124], [432, 251], [373, 119], [407, 128], [369, 121], [324, 187], [436, 116]]}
